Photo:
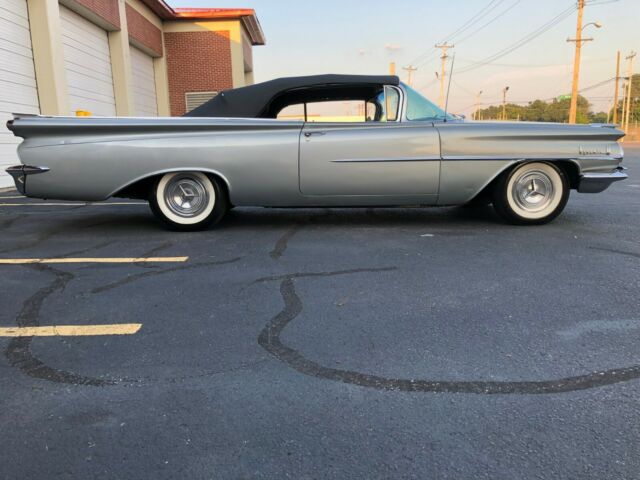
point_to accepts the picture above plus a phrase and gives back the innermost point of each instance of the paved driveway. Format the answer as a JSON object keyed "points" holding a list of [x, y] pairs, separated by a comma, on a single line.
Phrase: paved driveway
{"points": [[385, 343]]}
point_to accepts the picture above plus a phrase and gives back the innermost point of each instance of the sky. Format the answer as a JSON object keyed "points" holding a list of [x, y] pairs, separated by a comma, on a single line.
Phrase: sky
{"points": [[306, 37]]}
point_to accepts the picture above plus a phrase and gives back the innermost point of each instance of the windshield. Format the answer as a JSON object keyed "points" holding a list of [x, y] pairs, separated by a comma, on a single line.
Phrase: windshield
{"points": [[421, 109]]}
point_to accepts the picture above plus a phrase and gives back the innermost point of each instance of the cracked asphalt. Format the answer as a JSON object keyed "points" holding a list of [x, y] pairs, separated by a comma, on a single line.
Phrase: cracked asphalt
{"points": [[322, 344]]}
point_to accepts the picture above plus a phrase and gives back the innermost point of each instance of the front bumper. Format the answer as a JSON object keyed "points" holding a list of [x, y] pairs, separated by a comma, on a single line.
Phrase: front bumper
{"points": [[20, 174], [598, 182]]}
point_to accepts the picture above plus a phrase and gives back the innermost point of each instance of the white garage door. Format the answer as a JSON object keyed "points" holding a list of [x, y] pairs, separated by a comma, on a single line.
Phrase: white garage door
{"points": [[88, 65], [18, 92], [144, 84]]}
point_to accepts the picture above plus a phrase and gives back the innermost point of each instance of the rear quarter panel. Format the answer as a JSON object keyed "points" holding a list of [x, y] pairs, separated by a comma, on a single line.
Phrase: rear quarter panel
{"points": [[257, 159]]}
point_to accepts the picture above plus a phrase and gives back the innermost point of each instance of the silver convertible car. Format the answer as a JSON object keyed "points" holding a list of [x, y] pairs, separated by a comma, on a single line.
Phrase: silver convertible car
{"points": [[239, 149]]}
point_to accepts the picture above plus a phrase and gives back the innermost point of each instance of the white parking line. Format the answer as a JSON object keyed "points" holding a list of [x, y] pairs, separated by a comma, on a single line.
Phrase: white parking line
{"points": [[26, 261]]}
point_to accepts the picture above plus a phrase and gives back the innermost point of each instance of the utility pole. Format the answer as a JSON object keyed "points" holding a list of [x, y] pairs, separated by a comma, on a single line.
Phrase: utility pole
{"points": [[625, 125], [617, 91], [624, 106], [573, 111], [477, 112], [504, 103], [576, 64], [443, 73], [410, 69], [392, 67]]}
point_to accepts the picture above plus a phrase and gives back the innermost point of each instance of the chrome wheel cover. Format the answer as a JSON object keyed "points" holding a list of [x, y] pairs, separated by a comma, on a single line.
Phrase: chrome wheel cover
{"points": [[186, 196], [533, 191]]}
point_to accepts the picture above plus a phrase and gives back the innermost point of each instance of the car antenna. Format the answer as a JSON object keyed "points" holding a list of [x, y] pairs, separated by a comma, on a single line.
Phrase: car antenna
{"points": [[446, 103]]}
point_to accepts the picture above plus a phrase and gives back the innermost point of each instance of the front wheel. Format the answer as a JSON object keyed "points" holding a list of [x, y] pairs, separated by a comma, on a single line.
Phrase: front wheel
{"points": [[188, 201], [531, 194]]}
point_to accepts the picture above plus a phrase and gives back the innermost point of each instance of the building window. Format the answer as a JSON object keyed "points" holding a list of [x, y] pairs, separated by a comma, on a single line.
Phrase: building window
{"points": [[195, 99]]}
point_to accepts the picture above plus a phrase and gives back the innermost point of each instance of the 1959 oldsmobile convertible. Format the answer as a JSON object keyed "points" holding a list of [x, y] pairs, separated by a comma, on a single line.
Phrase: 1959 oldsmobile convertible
{"points": [[238, 150]]}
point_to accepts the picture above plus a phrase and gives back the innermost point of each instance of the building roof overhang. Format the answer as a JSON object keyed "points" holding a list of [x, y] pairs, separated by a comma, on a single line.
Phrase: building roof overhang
{"points": [[247, 16]]}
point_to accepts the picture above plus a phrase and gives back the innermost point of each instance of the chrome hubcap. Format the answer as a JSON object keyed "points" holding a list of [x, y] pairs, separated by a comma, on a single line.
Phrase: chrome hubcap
{"points": [[533, 191], [186, 196]]}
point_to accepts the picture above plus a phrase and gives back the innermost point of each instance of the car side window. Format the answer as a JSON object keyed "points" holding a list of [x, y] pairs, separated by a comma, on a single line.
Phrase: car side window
{"points": [[421, 109], [292, 112], [383, 107], [336, 111], [391, 103]]}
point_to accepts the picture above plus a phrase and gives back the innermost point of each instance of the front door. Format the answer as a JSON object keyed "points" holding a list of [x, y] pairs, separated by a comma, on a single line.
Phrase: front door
{"points": [[369, 158]]}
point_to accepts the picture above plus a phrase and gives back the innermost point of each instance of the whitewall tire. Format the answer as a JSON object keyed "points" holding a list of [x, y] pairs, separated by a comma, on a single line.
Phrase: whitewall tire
{"points": [[188, 200], [531, 194]]}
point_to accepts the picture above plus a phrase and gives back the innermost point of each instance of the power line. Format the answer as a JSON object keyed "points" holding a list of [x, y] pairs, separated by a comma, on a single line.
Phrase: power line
{"points": [[462, 88], [487, 10], [529, 65], [599, 84], [482, 27], [600, 2], [523, 41], [425, 56]]}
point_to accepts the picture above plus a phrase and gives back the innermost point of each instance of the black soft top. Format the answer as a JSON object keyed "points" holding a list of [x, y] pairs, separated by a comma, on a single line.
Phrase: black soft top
{"points": [[264, 100]]}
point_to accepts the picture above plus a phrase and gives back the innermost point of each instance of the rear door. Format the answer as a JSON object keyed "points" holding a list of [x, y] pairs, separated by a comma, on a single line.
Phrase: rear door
{"points": [[369, 158]]}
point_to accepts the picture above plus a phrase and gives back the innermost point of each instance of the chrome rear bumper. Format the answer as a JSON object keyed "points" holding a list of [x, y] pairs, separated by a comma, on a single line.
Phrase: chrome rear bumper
{"points": [[599, 182], [20, 174]]}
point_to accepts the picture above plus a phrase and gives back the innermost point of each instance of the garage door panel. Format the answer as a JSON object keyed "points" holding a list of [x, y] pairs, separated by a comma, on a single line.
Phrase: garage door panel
{"points": [[16, 64], [17, 95], [77, 26], [17, 33], [143, 84], [16, 78], [102, 91], [10, 47], [88, 96], [18, 91], [17, 7], [8, 155], [94, 47], [14, 16], [87, 65]]}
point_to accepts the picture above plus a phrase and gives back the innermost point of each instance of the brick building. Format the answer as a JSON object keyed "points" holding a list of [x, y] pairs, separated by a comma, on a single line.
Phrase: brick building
{"points": [[117, 57]]}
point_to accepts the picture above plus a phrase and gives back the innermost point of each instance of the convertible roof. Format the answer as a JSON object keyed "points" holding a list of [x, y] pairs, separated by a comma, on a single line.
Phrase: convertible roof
{"points": [[254, 100]]}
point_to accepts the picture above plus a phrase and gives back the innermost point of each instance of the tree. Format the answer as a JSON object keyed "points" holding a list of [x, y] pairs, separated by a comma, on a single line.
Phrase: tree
{"points": [[557, 110], [634, 115]]}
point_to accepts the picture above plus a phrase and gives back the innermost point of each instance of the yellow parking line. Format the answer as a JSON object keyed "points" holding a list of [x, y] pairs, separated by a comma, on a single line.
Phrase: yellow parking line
{"points": [[71, 330], [23, 261], [80, 204]]}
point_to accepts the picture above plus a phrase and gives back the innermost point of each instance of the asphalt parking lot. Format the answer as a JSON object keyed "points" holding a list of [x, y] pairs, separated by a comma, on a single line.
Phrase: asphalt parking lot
{"points": [[380, 343]]}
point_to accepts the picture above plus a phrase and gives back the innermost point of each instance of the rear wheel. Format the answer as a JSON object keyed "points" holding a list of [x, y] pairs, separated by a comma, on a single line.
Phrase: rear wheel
{"points": [[531, 194], [188, 201]]}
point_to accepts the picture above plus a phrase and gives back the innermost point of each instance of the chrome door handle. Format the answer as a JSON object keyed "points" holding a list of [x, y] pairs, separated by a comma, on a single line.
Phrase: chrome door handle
{"points": [[308, 134]]}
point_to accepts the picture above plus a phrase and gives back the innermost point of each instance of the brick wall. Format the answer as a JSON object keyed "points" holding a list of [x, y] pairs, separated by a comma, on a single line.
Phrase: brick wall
{"points": [[196, 62], [143, 31], [105, 9]]}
